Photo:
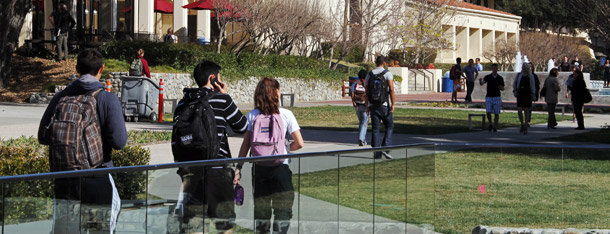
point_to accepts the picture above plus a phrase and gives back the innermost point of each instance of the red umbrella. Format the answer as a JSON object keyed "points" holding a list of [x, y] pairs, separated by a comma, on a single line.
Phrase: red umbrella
{"points": [[200, 5], [161, 6]]}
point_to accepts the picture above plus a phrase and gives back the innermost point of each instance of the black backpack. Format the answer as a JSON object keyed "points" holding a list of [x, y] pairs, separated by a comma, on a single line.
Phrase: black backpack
{"points": [[377, 90], [194, 134]]}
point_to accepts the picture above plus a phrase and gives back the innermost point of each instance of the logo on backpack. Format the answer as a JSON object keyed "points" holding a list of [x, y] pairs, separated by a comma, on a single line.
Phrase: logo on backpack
{"points": [[268, 137], [377, 88], [74, 133], [359, 95], [194, 134], [136, 67]]}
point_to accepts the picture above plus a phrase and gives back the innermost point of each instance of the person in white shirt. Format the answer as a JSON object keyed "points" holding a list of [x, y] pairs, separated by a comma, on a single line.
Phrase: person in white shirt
{"points": [[478, 65], [551, 64], [272, 182]]}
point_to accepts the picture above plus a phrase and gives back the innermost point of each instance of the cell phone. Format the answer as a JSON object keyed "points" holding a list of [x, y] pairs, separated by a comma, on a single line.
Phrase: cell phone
{"points": [[215, 82]]}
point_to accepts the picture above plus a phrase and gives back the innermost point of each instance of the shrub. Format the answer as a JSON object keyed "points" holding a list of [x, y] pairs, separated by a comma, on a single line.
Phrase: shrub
{"points": [[32, 200]]}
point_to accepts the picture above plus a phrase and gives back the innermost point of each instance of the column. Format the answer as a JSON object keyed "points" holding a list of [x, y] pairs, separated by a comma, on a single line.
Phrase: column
{"points": [[463, 44], [26, 29], [488, 42], [48, 9], [204, 24], [180, 26], [146, 18], [107, 16], [474, 43]]}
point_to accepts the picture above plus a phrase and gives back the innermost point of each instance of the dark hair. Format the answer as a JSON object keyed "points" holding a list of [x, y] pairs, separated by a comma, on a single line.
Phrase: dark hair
{"points": [[140, 52], [494, 65], [89, 61], [380, 60], [478, 59], [554, 72], [362, 74], [458, 60], [203, 71], [265, 96], [469, 60], [578, 75]]}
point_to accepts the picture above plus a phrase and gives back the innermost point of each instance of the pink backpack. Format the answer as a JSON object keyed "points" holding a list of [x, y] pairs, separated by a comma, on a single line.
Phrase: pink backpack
{"points": [[268, 138]]}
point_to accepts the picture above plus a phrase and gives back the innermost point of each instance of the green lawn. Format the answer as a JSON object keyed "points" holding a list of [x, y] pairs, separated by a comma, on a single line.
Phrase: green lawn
{"points": [[406, 120], [524, 188]]}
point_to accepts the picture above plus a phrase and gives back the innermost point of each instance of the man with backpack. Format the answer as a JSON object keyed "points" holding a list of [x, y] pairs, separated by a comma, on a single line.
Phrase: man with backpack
{"points": [[379, 86], [81, 125], [456, 74], [358, 91], [200, 130]]}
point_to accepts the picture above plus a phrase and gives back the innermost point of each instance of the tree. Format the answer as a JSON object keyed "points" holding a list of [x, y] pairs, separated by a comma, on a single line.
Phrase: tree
{"points": [[226, 12], [554, 15], [417, 27], [504, 54], [374, 15], [594, 15], [12, 21], [540, 47]]}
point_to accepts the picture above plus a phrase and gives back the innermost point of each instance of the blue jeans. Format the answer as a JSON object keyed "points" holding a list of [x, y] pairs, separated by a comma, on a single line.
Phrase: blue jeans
{"points": [[363, 119], [380, 113]]}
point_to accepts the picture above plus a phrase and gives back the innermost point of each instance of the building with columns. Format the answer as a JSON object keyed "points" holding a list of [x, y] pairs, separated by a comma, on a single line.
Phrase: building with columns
{"points": [[99, 20], [476, 29]]}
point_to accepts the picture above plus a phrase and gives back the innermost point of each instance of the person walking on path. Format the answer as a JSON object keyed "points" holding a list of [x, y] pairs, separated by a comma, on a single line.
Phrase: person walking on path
{"points": [[216, 182], [607, 73], [456, 74], [478, 64], [379, 86], [471, 75], [580, 96], [268, 124], [62, 22], [100, 128], [551, 87], [493, 100], [524, 89], [358, 101], [139, 65]]}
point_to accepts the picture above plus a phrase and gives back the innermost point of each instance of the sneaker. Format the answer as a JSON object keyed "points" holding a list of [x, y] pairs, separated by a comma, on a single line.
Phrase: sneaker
{"points": [[361, 143], [386, 155], [495, 129]]}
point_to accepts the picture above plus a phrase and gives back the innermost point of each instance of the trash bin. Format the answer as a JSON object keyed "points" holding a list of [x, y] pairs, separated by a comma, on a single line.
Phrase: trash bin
{"points": [[447, 83], [139, 98]]}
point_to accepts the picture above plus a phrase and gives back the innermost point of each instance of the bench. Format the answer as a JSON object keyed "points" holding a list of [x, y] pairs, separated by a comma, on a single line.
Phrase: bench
{"points": [[476, 115], [291, 95]]}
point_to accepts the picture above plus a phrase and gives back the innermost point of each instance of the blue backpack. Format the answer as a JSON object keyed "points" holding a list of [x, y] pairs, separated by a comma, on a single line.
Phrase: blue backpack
{"points": [[377, 91]]}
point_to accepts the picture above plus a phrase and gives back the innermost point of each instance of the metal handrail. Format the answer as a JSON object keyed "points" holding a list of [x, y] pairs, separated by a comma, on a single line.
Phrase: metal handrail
{"points": [[216, 162]]}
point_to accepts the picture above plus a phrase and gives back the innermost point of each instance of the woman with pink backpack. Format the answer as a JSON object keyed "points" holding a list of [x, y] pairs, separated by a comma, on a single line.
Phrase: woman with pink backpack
{"points": [[268, 125]]}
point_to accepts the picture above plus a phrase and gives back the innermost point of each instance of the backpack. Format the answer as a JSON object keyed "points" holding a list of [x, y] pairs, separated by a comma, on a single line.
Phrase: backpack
{"points": [[75, 134], [136, 67], [268, 138], [168, 39], [453, 73], [194, 134], [377, 91], [359, 95]]}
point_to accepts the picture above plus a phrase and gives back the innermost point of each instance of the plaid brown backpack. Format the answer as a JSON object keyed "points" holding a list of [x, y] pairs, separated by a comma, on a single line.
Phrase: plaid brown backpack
{"points": [[75, 134]]}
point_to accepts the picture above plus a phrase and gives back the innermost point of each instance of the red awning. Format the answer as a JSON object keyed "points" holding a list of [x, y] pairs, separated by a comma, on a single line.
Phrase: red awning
{"points": [[200, 5], [161, 6]]}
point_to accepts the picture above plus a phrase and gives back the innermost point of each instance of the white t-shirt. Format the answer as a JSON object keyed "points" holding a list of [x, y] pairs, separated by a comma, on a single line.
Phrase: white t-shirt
{"points": [[290, 122]]}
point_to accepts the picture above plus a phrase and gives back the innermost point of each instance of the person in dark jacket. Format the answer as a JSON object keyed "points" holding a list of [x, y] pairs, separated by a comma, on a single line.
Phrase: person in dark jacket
{"points": [[524, 89], [62, 22], [607, 73], [579, 93], [551, 84], [94, 190], [212, 185]]}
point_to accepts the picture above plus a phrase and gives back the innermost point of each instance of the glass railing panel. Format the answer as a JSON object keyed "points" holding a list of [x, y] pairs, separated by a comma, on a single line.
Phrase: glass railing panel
{"points": [[356, 177], [465, 187], [131, 189], [163, 190], [389, 191], [420, 178], [586, 204], [28, 207], [316, 181]]}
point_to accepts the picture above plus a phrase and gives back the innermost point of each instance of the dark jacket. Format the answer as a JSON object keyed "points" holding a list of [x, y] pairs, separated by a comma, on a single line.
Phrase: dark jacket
{"points": [[552, 88], [579, 89], [63, 22], [109, 111]]}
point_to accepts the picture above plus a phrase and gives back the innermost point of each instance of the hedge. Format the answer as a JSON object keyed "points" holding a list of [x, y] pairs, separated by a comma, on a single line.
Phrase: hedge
{"points": [[184, 57], [32, 200]]}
